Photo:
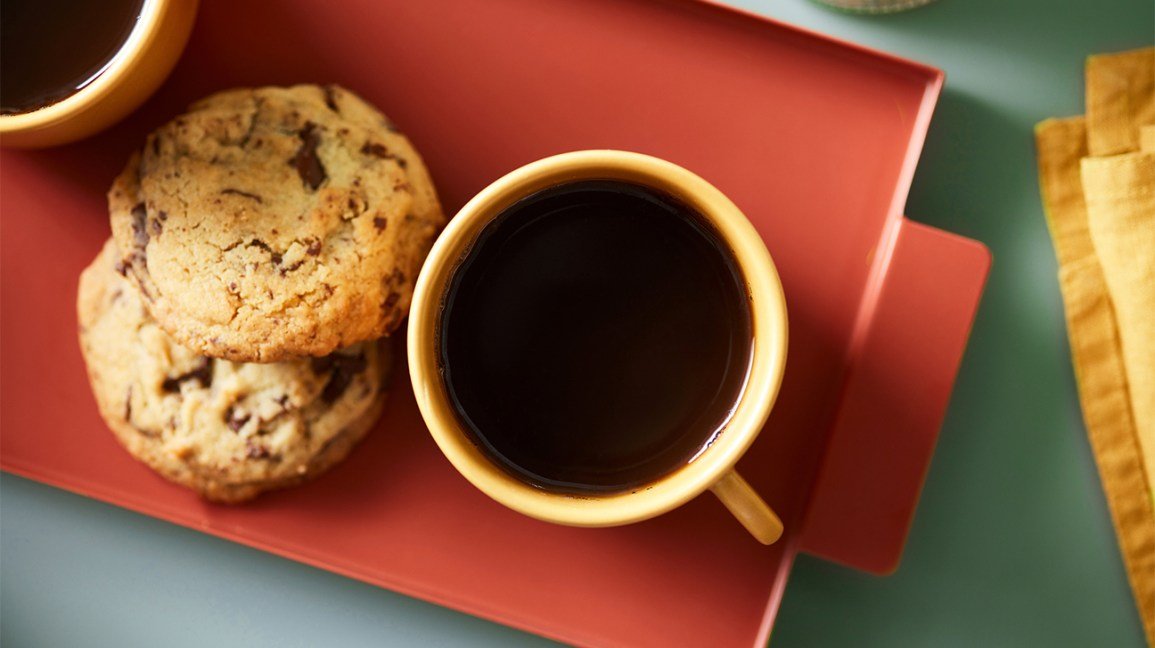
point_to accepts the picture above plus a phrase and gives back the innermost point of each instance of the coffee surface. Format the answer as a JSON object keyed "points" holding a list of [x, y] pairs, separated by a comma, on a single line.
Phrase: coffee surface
{"points": [[596, 337], [49, 49]]}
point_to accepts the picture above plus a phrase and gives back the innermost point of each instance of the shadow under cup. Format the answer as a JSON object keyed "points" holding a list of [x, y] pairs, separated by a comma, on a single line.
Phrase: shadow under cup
{"points": [[713, 456]]}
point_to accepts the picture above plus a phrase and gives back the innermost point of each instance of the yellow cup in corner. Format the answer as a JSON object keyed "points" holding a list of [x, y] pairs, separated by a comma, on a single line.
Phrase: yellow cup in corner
{"points": [[713, 469], [137, 69]]}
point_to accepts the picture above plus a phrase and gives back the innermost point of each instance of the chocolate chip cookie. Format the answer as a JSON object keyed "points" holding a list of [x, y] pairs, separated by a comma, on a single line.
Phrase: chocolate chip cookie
{"points": [[228, 430], [272, 223]]}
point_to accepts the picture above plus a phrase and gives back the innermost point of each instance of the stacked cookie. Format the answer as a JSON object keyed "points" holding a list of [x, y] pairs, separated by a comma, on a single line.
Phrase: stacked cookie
{"points": [[262, 244]]}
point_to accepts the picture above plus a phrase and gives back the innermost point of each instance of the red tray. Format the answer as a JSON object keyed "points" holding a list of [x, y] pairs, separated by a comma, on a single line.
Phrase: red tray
{"points": [[815, 139]]}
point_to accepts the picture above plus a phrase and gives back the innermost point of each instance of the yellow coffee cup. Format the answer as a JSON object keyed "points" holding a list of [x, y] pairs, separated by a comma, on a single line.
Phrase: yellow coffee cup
{"points": [[713, 467], [139, 66]]}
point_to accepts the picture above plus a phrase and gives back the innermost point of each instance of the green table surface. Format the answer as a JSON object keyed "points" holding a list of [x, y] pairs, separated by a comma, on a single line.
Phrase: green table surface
{"points": [[1012, 544]]}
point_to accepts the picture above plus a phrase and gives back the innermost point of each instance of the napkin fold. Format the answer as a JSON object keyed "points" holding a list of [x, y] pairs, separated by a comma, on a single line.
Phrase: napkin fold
{"points": [[1097, 176]]}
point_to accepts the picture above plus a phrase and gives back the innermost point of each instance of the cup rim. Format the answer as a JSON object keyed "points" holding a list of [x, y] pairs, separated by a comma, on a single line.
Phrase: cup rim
{"points": [[131, 52], [768, 356]]}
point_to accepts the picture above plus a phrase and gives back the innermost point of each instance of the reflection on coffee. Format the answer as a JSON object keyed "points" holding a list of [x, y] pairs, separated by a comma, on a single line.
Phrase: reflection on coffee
{"points": [[596, 337], [49, 49]]}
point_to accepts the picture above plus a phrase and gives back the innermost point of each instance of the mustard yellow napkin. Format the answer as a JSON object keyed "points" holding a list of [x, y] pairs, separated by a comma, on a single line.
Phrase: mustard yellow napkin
{"points": [[1098, 183]]}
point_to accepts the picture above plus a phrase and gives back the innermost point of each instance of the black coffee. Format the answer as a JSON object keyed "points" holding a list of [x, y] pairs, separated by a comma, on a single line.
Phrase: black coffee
{"points": [[49, 49], [596, 337]]}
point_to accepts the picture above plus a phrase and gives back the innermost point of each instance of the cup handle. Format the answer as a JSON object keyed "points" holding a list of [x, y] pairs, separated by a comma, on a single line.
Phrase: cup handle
{"points": [[746, 505]]}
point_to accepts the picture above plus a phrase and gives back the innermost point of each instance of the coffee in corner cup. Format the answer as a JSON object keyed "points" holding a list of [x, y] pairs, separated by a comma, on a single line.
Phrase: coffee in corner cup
{"points": [[71, 68], [597, 338]]}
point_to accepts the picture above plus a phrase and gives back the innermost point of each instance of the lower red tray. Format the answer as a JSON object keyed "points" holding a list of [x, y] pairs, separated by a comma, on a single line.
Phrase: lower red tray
{"points": [[815, 140]]}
